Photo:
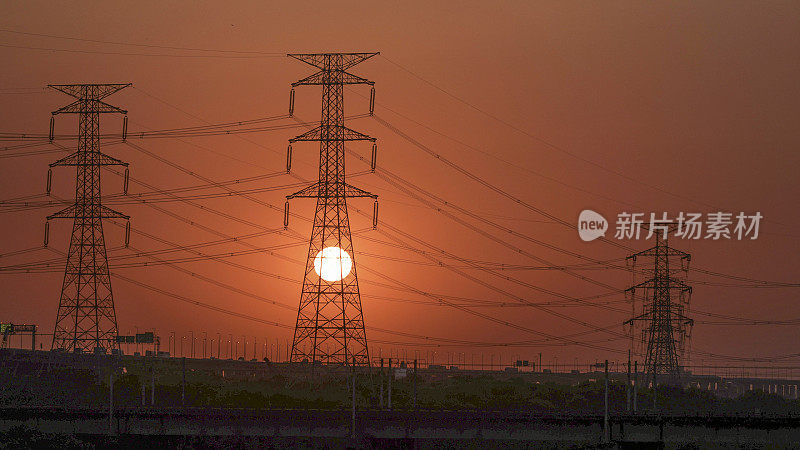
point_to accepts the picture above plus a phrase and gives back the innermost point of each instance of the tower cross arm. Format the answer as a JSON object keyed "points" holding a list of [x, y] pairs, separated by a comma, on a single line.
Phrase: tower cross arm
{"points": [[318, 59], [311, 191], [82, 159], [77, 107], [340, 190], [633, 319], [319, 78], [652, 283], [337, 132], [78, 90], [75, 211], [668, 251], [352, 191]]}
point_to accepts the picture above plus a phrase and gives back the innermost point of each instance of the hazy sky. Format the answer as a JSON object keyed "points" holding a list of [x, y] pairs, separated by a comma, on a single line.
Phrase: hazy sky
{"points": [[610, 106]]}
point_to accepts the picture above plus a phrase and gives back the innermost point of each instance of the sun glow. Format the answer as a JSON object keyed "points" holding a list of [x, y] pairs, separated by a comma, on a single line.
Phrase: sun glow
{"points": [[332, 264]]}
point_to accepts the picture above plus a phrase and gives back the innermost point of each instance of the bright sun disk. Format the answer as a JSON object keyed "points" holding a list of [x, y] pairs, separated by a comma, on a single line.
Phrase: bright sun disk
{"points": [[332, 264]]}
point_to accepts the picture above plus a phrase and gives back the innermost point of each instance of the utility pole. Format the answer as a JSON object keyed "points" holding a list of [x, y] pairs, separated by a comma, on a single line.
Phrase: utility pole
{"points": [[635, 384], [152, 386], [662, 323], [415, 384], [330, 323], [86, 319], [606, 437], [111, 401], [381, 383], [389, 397], [655, 392], [353, 402], [628, 384], [183, 382]]}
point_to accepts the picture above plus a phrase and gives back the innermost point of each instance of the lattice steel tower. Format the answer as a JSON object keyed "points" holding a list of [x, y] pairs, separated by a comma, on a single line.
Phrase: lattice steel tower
{"points": [[330, 323], [86, 319], [662, 323]]}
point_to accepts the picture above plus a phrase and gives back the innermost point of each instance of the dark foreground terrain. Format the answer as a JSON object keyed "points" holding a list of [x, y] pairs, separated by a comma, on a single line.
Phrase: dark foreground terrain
{"points": [[50, 400]]}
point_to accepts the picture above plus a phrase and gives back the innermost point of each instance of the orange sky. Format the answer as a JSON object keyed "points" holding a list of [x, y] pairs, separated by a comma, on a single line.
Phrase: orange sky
{"points": [[654, 107]]}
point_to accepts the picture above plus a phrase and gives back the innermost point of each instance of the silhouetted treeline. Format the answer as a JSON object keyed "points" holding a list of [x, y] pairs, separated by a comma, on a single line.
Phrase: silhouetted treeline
{"points": [[89, 388]]}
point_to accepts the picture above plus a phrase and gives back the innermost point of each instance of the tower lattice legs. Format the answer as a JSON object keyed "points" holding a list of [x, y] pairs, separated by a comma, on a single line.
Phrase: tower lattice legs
{"points": [[330, 322], [662, 323], [86, 319]]}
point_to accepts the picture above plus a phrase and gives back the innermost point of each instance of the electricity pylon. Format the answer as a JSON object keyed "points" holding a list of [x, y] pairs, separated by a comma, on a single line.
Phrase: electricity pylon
{"points": [[662, 323], [330, 323], [86, 318]]}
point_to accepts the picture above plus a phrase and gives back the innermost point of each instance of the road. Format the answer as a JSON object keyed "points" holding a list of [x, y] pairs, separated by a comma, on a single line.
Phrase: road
{"points": [[421, 425]]}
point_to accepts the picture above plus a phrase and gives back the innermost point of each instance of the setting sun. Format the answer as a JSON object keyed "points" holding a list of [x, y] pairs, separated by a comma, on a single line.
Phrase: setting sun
{"points": [[332, 264]]}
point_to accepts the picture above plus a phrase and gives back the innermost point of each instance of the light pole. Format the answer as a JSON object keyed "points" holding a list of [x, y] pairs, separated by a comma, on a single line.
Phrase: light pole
{"points": [[183, 338], [192, 343], [606, 435], [172, 348]]}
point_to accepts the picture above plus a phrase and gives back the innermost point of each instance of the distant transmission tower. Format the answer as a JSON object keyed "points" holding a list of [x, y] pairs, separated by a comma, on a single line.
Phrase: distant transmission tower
{"points": [[330, 323], [86, 319], [662, 324]]}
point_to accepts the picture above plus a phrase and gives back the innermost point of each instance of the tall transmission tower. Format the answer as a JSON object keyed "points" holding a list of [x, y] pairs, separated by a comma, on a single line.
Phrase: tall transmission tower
{"points": [[86, 318], [662, 323], [330, 323]]}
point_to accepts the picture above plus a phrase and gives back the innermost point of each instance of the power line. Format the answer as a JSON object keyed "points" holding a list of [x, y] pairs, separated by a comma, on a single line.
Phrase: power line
{"points": [[487, 184], [541, 140], [461, 273], [197, 175], [503, 160], [168, 55], [131, 44], [211, 130]]}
